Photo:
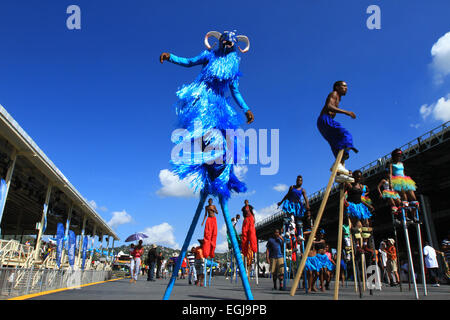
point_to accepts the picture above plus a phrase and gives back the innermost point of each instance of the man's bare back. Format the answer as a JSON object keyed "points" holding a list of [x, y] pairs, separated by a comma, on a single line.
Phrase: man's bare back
{"points": [[333, 99]]}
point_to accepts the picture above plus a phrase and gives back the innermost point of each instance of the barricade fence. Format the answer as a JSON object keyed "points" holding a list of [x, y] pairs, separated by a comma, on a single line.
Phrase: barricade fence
{"points": [[23, 281]]}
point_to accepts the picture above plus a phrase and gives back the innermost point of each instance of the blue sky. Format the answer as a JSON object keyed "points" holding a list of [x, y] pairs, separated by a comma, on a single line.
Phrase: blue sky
{"points": [[100, 105]]}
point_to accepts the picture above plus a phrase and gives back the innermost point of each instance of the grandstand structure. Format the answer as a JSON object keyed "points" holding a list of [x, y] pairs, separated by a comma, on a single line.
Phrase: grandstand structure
{"points": [[427, 161], [34, 198]]}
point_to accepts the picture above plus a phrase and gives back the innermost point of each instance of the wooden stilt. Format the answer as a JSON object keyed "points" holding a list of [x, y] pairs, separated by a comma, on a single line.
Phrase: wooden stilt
{"points": [[316, 223], [339, 244], [353, 256], [363, 264], [398, 252]]}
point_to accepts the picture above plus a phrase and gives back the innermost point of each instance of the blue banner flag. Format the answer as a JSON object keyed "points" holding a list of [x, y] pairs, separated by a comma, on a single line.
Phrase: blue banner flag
{"points": [[85, 243], [59, 243], [72, 244], [3, 188]]}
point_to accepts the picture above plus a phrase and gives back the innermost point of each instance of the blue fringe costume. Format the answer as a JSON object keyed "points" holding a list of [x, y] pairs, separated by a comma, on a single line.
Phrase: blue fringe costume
{"points": [[312, 264], [293, 205], [324, 262], [205, 115], [337, 136], [203, 102], [358, 211]]}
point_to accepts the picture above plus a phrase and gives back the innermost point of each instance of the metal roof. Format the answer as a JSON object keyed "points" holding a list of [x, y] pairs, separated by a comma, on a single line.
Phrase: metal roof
{"points": [[25, 146]]}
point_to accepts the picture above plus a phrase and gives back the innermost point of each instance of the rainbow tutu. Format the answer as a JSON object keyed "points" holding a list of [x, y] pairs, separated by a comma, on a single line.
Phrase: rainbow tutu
{"points": [[389, 194], [403, 183], [366, 200]]}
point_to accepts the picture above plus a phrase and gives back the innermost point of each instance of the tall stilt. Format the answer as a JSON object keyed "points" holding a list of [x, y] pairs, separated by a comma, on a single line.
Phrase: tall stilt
{"points": [[187, 241], [363, 265], [375, 261], [232, 266], [317, 222], [408, 247], [257, 267], [305, 277], [210, 272], [284, 258], [353, 256], [419, 239], [339, 244], [204, 271], [237, 252], [398, 252]]}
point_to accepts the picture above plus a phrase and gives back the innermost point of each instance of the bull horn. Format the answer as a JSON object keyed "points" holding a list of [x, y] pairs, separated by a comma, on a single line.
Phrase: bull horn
{"points": [[215, 34], [244, 39]]}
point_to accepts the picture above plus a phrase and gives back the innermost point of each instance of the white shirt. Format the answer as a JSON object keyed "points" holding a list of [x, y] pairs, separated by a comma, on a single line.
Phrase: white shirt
{"points": [[383, 255], [430, 257]]}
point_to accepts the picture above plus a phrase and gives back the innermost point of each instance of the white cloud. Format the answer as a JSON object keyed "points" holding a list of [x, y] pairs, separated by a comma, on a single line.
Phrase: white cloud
{"points": [[245, 194], [93, 204], [439, 110], [172, 186], [119, 218], [163, 235], [265, 212], [440, 53], [240, 171], [222, 247], [281, 187]]}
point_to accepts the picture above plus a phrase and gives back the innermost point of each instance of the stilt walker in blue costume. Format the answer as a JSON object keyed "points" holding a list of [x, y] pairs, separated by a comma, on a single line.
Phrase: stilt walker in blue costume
{"points": [[336, 135], [205, 115], [294, 210]]}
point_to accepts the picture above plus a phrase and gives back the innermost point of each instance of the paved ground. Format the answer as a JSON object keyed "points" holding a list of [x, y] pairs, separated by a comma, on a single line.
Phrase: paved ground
{"points": [[222, 289]]}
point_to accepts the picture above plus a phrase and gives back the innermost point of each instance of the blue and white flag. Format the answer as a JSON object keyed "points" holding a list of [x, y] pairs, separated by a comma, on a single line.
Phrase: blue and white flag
{"points": [[45, 218], [59, 243], [72, 244], [3, 188], [85, 243]]}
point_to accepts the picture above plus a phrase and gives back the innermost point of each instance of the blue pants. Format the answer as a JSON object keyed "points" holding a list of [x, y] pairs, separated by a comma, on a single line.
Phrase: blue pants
{"points": [[337, 136]]}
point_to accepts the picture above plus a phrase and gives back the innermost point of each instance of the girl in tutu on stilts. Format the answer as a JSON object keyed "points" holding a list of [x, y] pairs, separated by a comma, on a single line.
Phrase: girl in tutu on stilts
{"points": [[388, 193], [404, 185], [357, 210]]}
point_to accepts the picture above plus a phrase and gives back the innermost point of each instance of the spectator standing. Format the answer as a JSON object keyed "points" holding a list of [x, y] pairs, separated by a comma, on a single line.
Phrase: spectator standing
{"points": [[383, 260], [132, 262], [183, 268], [199, 260], [431, 263], [152, 258], [274, 256], [391, 264], [159, 265], [138, 252], [191, 261]]}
